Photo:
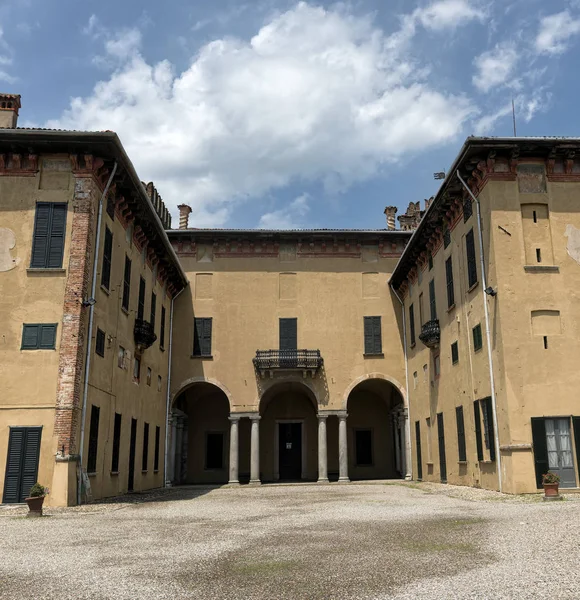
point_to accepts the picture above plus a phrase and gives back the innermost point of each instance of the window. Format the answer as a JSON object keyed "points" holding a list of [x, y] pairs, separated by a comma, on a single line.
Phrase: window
{"points": [[156, 458], [159, 382], [116, 443], [429, 440], [430, 262], [432, 303], [446, 238], [436, 365], [153, 309], [449, 276], [425, 369], [214, 451], [126, 283], [415, 380], [412, 324], [288, 331], [477, 420], [202, 337], [162, 329], [477, 339], [149, 376], [100, 343], [40, 336], [460, 434], [471, 265], [141, 303], [107, 258], [421, 311], [454, 353], [373, 339], [545, 342], [538, 255], [93, 440], [418, 446], [363, 447], [121, 358], [111, 206], [145, 447], [49, 232], [488, 431], [136, 370], [467, 209]]}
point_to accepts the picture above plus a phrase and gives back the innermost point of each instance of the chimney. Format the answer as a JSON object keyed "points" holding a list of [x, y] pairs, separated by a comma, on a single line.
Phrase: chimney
{"points": [[184, 211], [391, 211], [9, 106]]}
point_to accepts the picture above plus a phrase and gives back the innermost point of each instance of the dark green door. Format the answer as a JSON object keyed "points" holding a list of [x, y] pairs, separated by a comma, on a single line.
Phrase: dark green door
{"points": [[418, 445], [290, 450], [21, 463], [442, 459], [131, 482]]}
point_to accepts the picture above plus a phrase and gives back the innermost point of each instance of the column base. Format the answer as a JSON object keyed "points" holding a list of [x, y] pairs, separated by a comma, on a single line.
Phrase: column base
{"points": [[234, 482], [408, 478], [343, 480], [255, 482], [323, 480]]}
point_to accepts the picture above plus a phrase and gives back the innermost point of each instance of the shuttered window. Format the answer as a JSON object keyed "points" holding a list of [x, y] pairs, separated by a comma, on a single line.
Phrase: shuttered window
{"points": [[488, 425], [446, 238], [93, 440], [126, 283], [39, 336], [412, 324], [454, 353], [162, 329], [432, 300], [157, 440], [202, 337], [478, 440], [21, 463], [471, 264], [477, 339], [449, 277], [460, 433], [49, 232], [373, 335], [145, 458], [288, 334], [107, 258], [467, 209], [418, 446], [153, 309], [141, 304], [116, 444], [100, 343]]}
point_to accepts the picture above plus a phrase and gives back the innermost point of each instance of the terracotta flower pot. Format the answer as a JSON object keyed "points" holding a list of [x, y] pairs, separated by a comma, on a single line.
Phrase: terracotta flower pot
{"points": [[551, 490], [35, 506]]}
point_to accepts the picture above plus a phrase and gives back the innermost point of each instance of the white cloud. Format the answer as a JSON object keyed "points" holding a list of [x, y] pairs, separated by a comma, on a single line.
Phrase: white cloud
{"points": [[291, 217], [555, 32], [445, 14], [495, 67], [315, 95], [485, 125]]}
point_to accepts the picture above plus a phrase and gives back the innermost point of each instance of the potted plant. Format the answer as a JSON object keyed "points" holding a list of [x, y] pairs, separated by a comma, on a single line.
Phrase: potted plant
{"points": [[35, 499], [551, 482]]}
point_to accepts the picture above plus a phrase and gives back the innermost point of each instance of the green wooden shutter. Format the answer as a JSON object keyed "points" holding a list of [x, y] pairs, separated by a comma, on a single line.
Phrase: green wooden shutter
{"points": [[576, 425], [197, 332], [478, 440], [369, 342], [418, 445], [93, 439], [30, 337], [490, 430], [56, 239], [153, 309], [162, 329], [288, 334], [141, 305], [157, 440], [471, 264], [540, 449], [107, 257], [449, 276], [145, 456], [377, 336], [116, 443], [14, 465], [460, 433], [126, 283], [47, 338], [432, 301], [206, 344], [41, 235], [412, 324]]}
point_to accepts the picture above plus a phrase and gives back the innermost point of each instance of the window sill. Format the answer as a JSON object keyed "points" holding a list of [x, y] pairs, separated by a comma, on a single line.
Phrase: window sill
{"points": [[461, 462], [377, 355], [162, 348], [32, 271], [430, 463], [144, 472], [450, 308], [203, 356], [93, 474], [413, 345], [486, 462], [113, 473], [104, 289], [472, 287], [541, 269], [124, 311], [476, 350], [156, 471], [454, 363]]}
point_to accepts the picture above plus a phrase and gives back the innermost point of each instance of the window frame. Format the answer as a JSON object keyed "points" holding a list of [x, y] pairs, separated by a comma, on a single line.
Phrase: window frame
{"points": [[43, 262], [432, 300], [92, 453], [455, 352], [100, 342], [460, 424], [373, 336], [107, 259], [472, 276], [141, 300], [126, 284], [39, 329], [202, 346], [477, 336], [449, 281]]}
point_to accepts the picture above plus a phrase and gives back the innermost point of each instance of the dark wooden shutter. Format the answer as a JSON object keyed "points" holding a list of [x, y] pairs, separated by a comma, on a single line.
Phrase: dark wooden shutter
{"points": [[31, 456], [478, 440], [145, 458], [418, 445], [153, 309], [116, 443], [56, 238], [412, 324], [22, 463], [576, 425], [126, 283], [100, 343], [93, 440], [49, 232], [162, 329], [202, 337], [454, 353], [471, 264], [442, 458], [373, 335], [30, 337], [432, 301], [141, 305], [540, 449], [47, 337], [460, 433], [449, 276], [157, 440], [288, 334], [488, 407], [41, 236], [107, 257]]}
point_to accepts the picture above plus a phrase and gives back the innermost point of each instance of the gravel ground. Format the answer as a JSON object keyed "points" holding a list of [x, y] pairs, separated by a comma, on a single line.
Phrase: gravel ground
{"points": [[357, 541]]}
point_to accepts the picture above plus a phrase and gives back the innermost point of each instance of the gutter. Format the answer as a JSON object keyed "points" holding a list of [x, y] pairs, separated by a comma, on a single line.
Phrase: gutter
{"points": [[487, 330], [91, 300]]}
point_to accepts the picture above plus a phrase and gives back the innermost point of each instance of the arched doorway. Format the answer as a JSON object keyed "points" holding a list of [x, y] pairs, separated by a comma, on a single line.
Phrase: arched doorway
{"points": [[288, 433], [199, 441], [376, 431]]}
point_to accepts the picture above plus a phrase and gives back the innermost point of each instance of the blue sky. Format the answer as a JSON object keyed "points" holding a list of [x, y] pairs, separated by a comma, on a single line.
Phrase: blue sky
{"points": [[293, 114]]}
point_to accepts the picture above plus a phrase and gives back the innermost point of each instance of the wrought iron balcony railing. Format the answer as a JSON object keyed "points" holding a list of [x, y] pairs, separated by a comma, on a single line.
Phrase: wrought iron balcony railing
{"points": [[144, 334], [301, 360], [431, 333]]}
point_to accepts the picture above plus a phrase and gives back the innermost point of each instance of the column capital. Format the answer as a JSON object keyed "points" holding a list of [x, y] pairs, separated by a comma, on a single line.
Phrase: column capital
{"points": [[234, 418], [342, 416], [255, 417], [321, 416]]}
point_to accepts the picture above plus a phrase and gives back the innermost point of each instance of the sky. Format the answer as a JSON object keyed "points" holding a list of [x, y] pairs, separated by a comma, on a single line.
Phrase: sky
{"points": [[285, 114]]}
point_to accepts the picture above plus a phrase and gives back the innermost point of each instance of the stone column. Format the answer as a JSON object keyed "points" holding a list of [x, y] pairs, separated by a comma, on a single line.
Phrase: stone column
{"points": [[255, 450], [170, 476], [178, 450], [234, 462], [342, 449], [406, 428], [397, 442], [322, 450]]}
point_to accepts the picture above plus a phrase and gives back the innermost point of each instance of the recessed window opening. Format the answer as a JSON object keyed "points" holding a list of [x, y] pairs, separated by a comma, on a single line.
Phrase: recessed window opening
{"points": [[535, 217], [545, 342], [539, 255]]}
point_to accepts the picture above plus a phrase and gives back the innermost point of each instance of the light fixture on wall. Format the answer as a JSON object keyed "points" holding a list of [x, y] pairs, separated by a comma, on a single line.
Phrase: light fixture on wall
{"points": [[490, 291], [89, 302]]}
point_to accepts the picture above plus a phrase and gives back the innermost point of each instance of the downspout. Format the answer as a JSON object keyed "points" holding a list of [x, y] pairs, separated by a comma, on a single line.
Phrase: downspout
{"points": [[91, 301], [487, 331], [168, 401], [409, 464]]}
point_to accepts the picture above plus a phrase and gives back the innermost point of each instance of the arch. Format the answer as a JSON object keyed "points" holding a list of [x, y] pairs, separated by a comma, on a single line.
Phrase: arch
{"points": [[368, 376], [193, 380], [286, 384]]}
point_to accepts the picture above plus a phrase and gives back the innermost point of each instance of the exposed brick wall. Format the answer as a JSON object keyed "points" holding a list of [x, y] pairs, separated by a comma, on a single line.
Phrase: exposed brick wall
{"points": [[75, 316]]}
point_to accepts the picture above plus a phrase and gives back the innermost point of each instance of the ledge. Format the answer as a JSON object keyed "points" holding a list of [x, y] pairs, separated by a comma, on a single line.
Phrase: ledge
{"points": [[32, 271], [67, 458], [378, 355], [93, 474], [113, 473], [472, 287], [515, 447], [461, 462], [450, 308], [124, 311], [205, 356], [144, 472], [104, 289], [541, 269]]}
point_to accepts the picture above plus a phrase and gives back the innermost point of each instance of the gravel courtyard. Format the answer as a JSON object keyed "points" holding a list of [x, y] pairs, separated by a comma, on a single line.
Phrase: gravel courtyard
{"points": [[302, 542]]}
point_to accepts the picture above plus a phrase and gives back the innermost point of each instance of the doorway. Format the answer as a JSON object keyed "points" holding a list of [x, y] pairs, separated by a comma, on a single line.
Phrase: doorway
{"points": [[21, 463], [553, 449], [442, 458], [131, 483], [290, 450]]}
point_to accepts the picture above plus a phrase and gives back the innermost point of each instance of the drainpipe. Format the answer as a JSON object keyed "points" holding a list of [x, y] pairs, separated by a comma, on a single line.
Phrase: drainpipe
{"points": [[168, 400], [91, 303], [487, 331], [409, 470]]}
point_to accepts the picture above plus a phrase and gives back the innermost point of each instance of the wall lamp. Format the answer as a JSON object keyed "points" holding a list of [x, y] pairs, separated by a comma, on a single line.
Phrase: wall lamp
{"points": [[490, 291]]}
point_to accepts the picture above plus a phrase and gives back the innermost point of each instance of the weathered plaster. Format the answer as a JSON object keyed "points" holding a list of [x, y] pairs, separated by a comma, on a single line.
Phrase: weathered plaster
{"points": [[573, 246], [7, 243]]}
